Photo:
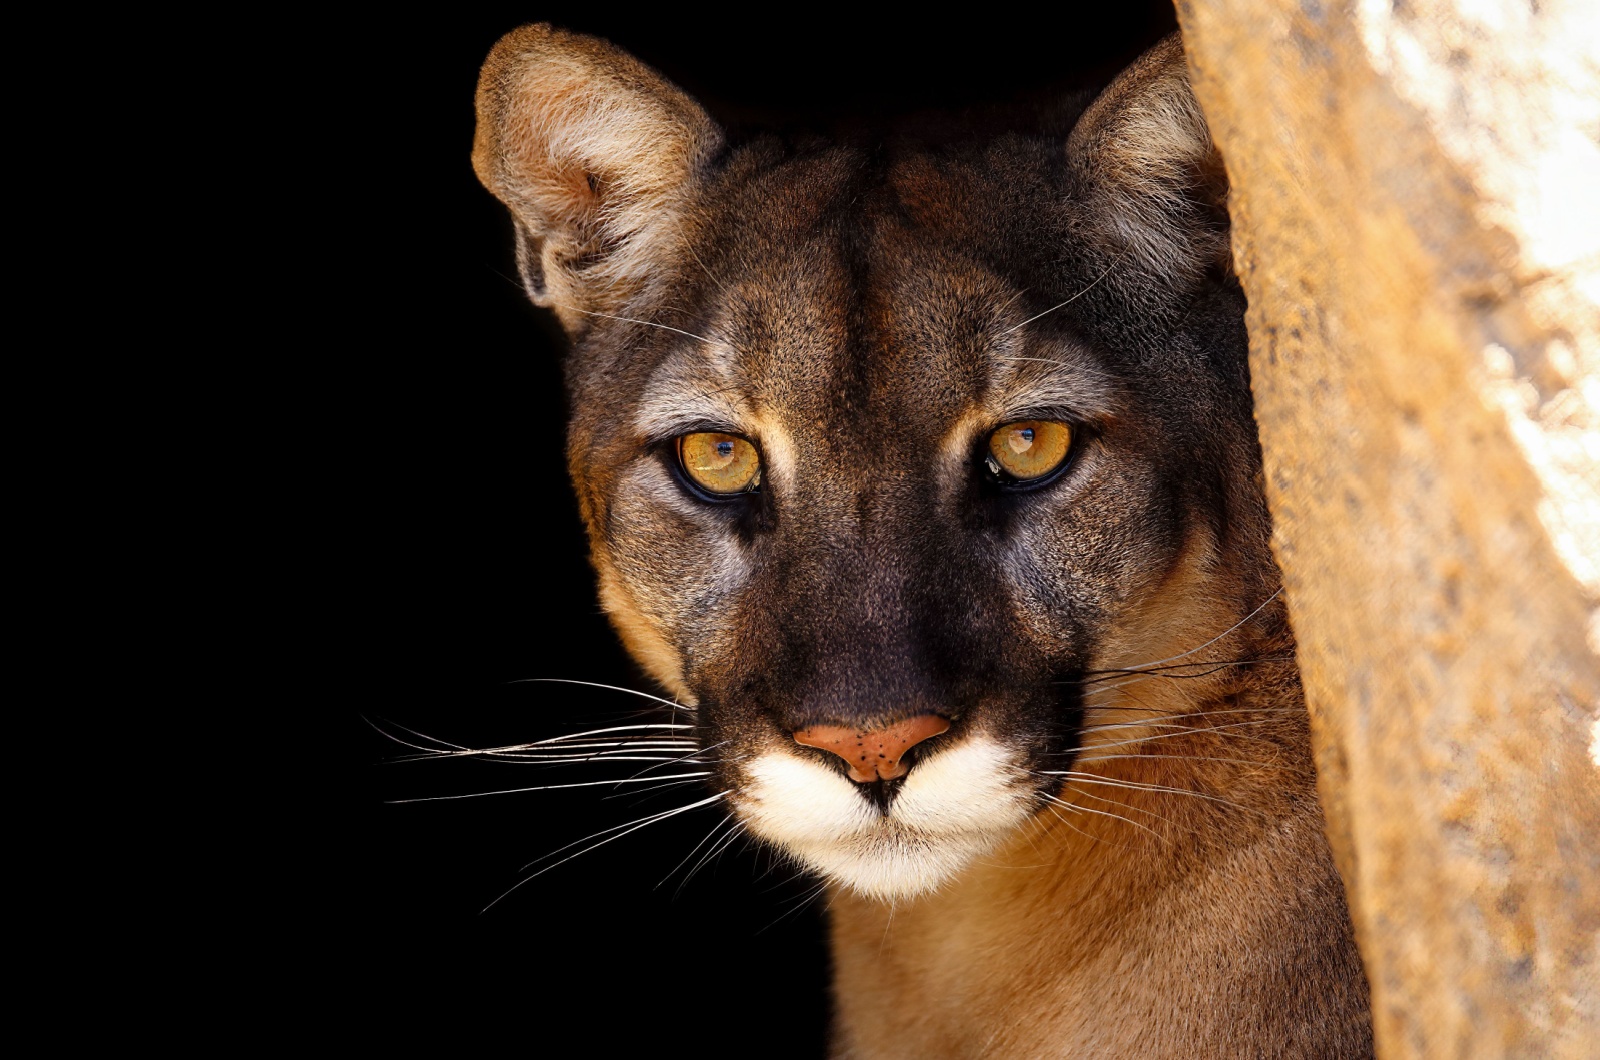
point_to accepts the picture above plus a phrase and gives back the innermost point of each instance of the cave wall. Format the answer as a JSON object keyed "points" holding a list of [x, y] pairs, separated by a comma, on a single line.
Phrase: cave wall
{"points": [[1416, 207]]}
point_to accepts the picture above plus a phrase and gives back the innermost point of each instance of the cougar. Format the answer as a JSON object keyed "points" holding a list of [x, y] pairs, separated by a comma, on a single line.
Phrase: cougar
{"points": [[920, 471]]}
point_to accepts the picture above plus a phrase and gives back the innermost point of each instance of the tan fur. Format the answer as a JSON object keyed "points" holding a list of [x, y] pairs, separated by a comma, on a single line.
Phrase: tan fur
{"points": [[641, 637], [1148, 129], [1091, 935], [591, 151]]}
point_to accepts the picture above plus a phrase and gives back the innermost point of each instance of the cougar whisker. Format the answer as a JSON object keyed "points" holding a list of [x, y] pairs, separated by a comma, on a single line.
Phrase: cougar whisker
{"points": [[1169, 822], [690, 757], [544, 787], [1171, 735], [1164, 719], [1090, 778], [719, 826], [674, 704], [640, 794], [1062, 305], [630, 828], [711, 855], [1105, 813], [1258, 762], [800, 903], [636, 320], [1201, 647], [1214, 666], [557, 745], [1054, 806], [1170, 713]]}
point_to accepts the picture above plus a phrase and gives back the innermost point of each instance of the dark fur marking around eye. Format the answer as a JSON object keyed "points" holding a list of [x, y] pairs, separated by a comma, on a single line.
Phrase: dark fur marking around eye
{"points": [[992, 502], [749, 512]]}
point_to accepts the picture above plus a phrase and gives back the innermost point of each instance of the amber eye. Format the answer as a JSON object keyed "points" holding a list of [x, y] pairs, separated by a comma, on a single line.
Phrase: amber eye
{"points": [[720, 463], [1029, 449]]}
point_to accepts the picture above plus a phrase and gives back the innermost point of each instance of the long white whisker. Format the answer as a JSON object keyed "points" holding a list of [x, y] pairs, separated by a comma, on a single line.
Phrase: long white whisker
{"points": [[592, 756], [1130, 677], [1164, 720], [691, 756], [568, 749], [598, 732], [804, 900], [636, 825], [1105, 690], [714, 830], [1136, 809], [1200, 647], [1090, 778], [556, 744], [1201, 758], [550, 787], [592, 835], [427, 752], [711, 855], [665, 783], [1181, 731], [1103, 813], [636, 745], [635, 320], [1069, 301], [611, 688], [597, 757], [414, 732], [688, 246], [1168, 712], [1056, 813], [600, 747], [1098, 676]]}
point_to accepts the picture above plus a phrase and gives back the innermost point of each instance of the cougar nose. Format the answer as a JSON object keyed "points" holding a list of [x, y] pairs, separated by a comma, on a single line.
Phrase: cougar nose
{"points": [[873, 754]]}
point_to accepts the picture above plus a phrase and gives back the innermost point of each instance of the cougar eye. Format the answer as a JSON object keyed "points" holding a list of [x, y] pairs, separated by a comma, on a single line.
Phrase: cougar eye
{"points": [[720, 463], [1028, 449]]}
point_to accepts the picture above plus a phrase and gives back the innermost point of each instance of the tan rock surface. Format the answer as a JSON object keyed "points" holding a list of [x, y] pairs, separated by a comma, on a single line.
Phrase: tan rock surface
{"points": [[1417, 224]]}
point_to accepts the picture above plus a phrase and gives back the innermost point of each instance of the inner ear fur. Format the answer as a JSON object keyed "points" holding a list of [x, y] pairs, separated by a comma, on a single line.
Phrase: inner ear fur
{"points": [[595, 154], [1151, 181]]}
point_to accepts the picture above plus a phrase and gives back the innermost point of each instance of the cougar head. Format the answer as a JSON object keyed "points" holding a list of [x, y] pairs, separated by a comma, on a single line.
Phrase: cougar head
{"points": [[883, 446]]}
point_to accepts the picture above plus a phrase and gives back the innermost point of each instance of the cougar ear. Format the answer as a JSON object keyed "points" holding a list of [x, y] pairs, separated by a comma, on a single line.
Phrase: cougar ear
{"points": [[595, 154], [1151, 181]]}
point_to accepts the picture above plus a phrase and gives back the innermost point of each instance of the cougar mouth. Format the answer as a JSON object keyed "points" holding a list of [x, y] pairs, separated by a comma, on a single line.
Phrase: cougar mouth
{"points": [[896, 837]]}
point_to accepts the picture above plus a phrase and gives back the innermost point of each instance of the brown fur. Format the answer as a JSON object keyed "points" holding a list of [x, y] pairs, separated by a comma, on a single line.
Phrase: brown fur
{"points": [[1198, 931], [866, 315]]}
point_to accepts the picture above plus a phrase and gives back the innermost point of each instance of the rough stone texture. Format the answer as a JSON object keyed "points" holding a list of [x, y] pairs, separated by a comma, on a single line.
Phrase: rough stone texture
{"points": [[1416, 202]]}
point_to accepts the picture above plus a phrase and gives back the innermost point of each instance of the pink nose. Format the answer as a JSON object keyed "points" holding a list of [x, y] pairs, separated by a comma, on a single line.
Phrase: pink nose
{"points": [[873, 754]]}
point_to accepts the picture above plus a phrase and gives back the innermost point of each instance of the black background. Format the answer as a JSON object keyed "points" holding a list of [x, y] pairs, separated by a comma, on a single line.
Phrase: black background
{"points": [[465, 567]]}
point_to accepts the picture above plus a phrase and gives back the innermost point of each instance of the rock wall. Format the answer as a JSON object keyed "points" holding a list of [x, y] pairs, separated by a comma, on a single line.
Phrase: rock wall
{"points": [[1416, 205]]}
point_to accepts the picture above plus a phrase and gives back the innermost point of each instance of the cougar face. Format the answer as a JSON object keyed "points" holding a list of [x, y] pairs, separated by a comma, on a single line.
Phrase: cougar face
{"points": [[883, 449]]}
